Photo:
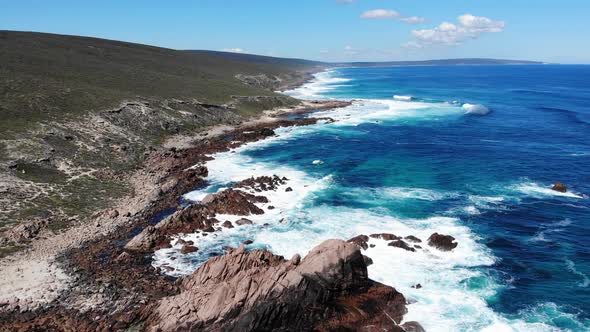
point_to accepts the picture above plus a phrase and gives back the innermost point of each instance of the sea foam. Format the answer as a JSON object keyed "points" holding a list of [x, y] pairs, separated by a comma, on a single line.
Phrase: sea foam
{"points": [[321, 83], [402, 98], [476, 109], [537, 190]]}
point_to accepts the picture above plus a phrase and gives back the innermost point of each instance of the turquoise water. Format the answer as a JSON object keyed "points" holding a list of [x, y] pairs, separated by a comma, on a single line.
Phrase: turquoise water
{"points": [[467, 151]]}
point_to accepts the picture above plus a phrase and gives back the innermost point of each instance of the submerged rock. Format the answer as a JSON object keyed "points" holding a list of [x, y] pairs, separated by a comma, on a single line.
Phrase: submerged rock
{"points": [[412, 238], [259, 291], [187, 248], [401, 244], [243, 221], [385, 236], [442, 242], [558, 186]]}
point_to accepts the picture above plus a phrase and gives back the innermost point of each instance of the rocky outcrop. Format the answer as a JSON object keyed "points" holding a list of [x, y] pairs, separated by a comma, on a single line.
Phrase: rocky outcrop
{"points": [[23, 232], [385, 236], [262, 183], [401, 244], [200, 217], [442, 242], [257, 291], [361, 241], [412, 238], [560, 187]]}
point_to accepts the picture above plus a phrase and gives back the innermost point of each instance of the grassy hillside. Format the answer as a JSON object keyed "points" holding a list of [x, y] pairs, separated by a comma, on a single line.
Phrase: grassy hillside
{"points": [[48, 77], [79, 114]]}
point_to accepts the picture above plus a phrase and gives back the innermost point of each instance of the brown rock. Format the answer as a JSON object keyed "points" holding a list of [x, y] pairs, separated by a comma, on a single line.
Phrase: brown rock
{"points": [[114, 214], [412, 327], [289, 189], [412, 238], [259, 291], [186, 249], [442, 242], [227, 224], [243, 221], [295, 260], [360, 240], [558, 186], [385, 236], [401, 244]]}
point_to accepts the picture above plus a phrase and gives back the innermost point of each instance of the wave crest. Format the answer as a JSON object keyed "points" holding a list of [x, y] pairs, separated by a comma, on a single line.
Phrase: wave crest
{"points": [[403, 98], [476, 109]]}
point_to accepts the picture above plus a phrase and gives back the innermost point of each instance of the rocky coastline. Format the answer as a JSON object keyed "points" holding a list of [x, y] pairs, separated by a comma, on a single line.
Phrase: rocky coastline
{"points": [[109, 283]]}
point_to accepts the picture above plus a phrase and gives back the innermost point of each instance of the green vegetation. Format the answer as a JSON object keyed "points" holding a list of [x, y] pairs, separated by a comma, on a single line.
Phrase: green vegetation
{"points": [[53, 77], [78, 114]]}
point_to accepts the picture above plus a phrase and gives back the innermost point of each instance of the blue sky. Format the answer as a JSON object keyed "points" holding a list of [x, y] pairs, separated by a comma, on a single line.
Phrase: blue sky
{"points": [[330, 30]]}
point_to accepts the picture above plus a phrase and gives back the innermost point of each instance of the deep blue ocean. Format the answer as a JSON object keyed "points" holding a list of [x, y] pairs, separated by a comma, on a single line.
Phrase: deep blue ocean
{"points": [[470, 151]]}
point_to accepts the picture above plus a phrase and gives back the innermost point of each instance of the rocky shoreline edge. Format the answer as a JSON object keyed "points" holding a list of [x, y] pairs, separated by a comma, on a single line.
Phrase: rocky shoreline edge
{"points": [[100, 277]]}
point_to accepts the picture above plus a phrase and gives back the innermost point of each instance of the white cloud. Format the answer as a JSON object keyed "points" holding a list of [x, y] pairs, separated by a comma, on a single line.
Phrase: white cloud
{"points": [[412, 44], [233, 50], [449, 34], [349, 50], [481, 24], [413, 19], [379, 14]]}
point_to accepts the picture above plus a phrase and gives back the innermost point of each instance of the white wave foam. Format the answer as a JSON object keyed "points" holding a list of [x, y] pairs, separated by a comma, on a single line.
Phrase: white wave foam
{"points": [[476, 109], [540, 237], [536, 190], [379, 110], [572, 268], [414, 193], [321, 83], [402, 98]]}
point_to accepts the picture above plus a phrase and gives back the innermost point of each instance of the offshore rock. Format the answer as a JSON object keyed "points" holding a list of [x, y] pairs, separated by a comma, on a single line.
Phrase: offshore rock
{"points": [[442, 242], [560, 187], [385, 236], [257, 291]]}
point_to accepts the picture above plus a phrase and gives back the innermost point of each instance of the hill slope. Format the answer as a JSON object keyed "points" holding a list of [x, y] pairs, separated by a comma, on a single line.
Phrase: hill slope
{"points": [[79, 114], [46, 76]]}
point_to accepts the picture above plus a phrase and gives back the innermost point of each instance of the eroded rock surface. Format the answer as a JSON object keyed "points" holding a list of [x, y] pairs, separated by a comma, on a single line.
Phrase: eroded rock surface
{"points": [[202, 216], [257, 291]]}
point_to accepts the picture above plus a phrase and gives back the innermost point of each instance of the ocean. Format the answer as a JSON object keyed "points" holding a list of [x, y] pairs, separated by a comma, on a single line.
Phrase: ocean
{"points": [[469, 151]]}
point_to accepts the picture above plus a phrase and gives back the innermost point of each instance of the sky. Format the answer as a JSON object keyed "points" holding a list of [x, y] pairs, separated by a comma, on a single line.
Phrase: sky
{"points": [[326, 30]]}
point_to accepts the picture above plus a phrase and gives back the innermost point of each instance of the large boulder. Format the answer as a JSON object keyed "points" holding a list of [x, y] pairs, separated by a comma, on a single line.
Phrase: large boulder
{"points": [[258, 291], [442, 242]]}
